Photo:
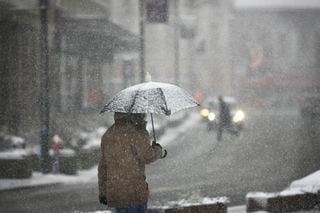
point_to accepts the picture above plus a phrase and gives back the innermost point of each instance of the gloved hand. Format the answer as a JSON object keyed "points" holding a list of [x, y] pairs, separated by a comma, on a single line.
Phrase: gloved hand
{"points": [[163, 151], [103, 199], [154, 144]]}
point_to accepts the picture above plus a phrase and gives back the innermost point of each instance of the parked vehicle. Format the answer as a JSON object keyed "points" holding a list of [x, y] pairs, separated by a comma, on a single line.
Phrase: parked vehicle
{"points": [[210, 113]]}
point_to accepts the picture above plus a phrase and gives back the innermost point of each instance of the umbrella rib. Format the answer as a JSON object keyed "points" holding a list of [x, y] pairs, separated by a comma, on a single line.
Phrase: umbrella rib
{"points": [[106, 106], [167, 111], [134, 99]]}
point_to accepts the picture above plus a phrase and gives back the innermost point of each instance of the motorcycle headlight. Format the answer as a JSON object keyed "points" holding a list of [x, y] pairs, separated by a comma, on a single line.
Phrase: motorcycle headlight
{"points": [[211, 116], [238, 116], [204, 112]]}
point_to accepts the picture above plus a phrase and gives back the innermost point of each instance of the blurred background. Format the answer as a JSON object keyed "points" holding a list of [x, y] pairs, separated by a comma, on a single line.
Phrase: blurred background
{"points": [[62, 60]]}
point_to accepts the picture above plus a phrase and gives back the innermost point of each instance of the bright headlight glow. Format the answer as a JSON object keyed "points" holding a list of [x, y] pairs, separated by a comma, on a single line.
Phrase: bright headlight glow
{"points": [[211, 116], [204, 112], [239, 116]]}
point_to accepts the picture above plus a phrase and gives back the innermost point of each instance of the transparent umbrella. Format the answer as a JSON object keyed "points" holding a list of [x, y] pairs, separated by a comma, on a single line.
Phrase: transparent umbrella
{"points": [[151, 97]]}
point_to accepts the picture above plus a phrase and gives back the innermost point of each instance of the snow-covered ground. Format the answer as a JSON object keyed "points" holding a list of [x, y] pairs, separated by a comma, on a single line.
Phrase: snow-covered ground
{"points": [[39, 179], [310, 183], [87, 175]]}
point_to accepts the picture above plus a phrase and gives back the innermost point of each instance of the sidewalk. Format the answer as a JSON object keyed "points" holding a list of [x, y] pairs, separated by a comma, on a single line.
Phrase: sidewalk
{"points": [[90, 175]]}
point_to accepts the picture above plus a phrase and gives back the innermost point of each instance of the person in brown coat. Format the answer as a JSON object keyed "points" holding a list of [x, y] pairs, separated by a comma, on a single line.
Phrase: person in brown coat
{"points": [[125, 150]]}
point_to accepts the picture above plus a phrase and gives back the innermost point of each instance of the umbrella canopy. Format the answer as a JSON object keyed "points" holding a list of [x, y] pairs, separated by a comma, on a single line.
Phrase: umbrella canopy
{"points": [[151, 97]]}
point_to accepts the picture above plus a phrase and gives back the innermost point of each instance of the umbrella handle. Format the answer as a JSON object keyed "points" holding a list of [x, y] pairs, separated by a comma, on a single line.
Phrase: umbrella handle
{"points": [[154, 135], [164, 153]]}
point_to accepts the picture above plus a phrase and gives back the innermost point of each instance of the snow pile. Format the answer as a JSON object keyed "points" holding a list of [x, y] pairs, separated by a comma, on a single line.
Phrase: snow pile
{"points": [[17, 141], [302, 195], [12, 147], [14, 154], [99, 212], [38, 179], [196, 202], [308, 184], [311, 183]]}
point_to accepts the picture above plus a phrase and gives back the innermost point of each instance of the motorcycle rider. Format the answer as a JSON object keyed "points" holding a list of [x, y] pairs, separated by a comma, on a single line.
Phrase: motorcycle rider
{"points": [[224, 117]]}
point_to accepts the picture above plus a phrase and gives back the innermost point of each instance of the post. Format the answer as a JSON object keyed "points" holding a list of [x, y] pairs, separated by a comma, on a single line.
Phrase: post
{"points": [[193, 80], [44, 87], [176, 43], [142, 32]]}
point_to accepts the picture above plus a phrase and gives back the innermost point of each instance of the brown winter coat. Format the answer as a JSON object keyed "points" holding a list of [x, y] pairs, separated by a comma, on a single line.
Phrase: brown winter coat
{"points": [[125, 150]]}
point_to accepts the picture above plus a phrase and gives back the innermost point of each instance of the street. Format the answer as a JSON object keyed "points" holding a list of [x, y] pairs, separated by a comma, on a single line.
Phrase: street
{"points": [[272, 151]]}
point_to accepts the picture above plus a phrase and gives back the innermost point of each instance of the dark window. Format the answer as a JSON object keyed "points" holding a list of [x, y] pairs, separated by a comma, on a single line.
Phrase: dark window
{"points": [[157, 11]]}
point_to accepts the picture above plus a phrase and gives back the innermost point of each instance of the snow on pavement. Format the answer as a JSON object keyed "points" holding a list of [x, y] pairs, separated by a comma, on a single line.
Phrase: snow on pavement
{"points": [[39, 179], [311, 183]]}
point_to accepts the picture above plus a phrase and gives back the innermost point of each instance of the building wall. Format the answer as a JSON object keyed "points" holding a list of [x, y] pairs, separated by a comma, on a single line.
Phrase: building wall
{"points": [[19, 73], [126, 14], [213, 62], [70, 73], [275, 46]]}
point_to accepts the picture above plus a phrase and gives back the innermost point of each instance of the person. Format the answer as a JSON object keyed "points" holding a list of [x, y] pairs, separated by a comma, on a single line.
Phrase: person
{"points": [[224, 117], [56, 147], [125, 150]]}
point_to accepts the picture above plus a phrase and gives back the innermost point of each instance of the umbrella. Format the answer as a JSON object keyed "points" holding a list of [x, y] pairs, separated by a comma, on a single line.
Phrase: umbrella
{"points": [[151, 97]]}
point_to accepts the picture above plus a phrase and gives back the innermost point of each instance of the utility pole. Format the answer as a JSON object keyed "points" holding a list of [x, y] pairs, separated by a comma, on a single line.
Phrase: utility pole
{"points": [[44, 87], [142, 39]]}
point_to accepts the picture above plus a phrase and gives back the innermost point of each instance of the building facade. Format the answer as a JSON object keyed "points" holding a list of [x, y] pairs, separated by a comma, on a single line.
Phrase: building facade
{"points": [[83, 45], [276, 57]]}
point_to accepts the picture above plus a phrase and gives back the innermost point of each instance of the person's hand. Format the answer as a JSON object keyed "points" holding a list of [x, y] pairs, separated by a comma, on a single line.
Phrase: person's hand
{"points": [[163, 151], [155, 144], [103, 199]]}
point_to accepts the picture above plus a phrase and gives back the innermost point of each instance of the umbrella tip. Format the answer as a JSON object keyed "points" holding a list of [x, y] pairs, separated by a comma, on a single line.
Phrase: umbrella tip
{"points": [[148, 77]]}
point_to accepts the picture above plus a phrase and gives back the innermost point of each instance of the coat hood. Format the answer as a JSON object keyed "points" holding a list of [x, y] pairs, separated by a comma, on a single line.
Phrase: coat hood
{"points": [[120, 116]]}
